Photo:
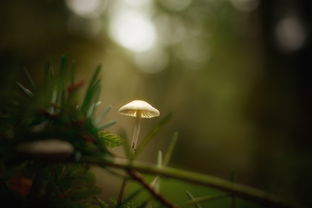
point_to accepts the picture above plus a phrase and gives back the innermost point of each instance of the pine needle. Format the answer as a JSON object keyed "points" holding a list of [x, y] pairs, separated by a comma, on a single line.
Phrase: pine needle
{"points": [[24, 89], [108, 124], [207, 198], [129, 198], [150, 135], [190, 195], [29, 78], [170, 149], [103, 114]]}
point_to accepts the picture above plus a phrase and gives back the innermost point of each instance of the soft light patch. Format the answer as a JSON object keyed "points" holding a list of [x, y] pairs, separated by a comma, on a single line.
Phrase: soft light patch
{"points": [[133, 31]]}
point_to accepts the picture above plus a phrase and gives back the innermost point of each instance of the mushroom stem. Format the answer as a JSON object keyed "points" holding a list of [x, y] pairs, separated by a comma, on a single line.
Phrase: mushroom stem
{"points": [[136, 131]]}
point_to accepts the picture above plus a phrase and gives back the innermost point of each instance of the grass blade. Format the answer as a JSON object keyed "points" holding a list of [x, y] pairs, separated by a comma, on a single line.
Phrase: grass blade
{"points": [[92, 94], [29, 78], [49, 73], [108, 124], [129, 198], [165, 161], [92, 91], [73, 70], [95, 75], [155, 183], [92, 109], [24, 89], [207, 198], [63, 65], [143, 204], [150, 135], [190, 195], [127, 148], [171, 147], [103, 114], [101, 203]]}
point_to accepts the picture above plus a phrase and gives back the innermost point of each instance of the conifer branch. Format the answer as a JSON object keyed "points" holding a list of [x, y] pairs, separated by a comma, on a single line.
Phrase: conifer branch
{"points": [[239, 190], [135, 176]]}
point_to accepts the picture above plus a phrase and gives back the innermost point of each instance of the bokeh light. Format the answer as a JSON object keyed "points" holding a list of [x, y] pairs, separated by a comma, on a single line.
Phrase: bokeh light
{"points": [[133, 31], [290, 33], [131, 25], [87, 8], [171, 29], [245, 5], [152, 61], [175, 5], [83, 27]]}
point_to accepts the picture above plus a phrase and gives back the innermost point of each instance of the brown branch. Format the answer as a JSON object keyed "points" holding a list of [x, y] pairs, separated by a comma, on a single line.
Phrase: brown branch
{"points": [[135, 176], [239, 190]]}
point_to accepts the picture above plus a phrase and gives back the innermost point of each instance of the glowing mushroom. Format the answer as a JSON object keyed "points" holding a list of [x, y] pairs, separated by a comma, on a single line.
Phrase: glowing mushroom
{"points": [[138, 109]]}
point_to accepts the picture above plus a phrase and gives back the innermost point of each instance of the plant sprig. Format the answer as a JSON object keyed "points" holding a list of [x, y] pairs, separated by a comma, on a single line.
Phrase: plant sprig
{"points": [[52, 110]]}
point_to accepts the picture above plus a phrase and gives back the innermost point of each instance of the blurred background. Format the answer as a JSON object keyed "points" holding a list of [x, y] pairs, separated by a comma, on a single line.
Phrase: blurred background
{"points": [[234, 73]]}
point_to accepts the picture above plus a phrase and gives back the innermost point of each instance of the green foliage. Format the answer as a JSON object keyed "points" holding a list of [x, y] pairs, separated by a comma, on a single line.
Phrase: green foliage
{"points": [[52, 110], [110, 140], [191, 197], [128, 200], [153, 132], [170, 148]]}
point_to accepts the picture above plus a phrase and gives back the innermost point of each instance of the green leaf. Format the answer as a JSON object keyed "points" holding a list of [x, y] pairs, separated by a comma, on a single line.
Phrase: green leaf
{"points": [[110, 140]]}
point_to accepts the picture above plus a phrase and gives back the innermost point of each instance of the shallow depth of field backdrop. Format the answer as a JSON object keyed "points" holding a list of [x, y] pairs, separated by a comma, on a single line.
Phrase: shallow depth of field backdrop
{"points": [[234, 73]]}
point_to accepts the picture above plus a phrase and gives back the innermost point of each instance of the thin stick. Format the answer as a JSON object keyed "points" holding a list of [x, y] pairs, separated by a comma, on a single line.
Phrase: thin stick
{"points": [[239, 190], [154, 193], [122, 191]]}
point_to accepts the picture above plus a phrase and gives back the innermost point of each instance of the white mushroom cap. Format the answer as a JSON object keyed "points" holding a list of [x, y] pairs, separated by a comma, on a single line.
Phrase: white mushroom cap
{"points": [[137, 107], [46, 147]]}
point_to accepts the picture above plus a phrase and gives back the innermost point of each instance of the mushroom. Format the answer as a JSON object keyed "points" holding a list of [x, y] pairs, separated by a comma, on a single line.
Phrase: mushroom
{"points": [[138, 109]]}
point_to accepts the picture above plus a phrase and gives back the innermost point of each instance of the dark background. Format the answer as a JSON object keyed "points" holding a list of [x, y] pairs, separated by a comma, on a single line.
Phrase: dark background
{"points": [[234, 73]]}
